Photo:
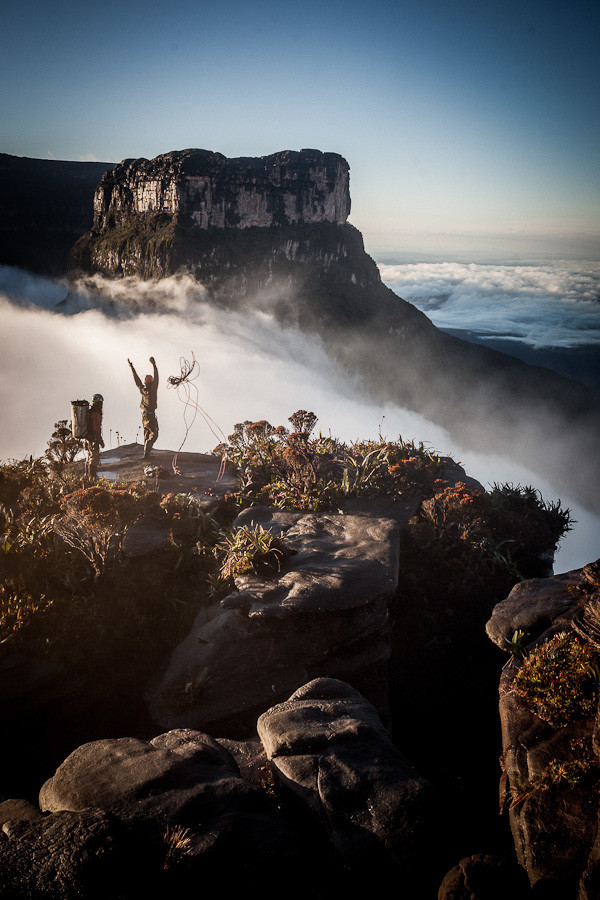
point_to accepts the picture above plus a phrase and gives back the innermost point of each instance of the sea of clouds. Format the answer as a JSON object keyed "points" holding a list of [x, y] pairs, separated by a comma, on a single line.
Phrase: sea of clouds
{"points": [[553, 305], [59, 343]]}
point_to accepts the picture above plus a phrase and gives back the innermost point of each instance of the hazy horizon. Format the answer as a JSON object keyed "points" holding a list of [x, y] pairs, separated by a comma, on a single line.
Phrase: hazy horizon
{"points": [[453, 118]]}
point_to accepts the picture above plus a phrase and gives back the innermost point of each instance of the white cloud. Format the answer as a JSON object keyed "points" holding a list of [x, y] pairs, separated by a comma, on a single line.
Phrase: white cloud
{"points": [[250, 368], [552, 305]]}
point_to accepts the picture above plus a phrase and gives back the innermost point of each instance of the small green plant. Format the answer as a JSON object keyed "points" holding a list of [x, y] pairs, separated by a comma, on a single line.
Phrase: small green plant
{"points": [[192, 688], [555, 680], [251, 551], [515, 643]]}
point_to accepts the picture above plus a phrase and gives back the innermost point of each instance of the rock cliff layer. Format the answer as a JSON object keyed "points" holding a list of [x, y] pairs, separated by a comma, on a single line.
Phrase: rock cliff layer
{"points": [[208, 190]]}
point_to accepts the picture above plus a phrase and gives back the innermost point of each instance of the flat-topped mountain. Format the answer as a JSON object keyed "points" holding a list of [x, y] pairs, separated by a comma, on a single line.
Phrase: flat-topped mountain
{"points": [[271, 234]]}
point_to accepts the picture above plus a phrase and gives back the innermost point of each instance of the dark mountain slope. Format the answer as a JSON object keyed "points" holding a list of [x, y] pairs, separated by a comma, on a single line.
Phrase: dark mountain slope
{"points": [[45, 205]]}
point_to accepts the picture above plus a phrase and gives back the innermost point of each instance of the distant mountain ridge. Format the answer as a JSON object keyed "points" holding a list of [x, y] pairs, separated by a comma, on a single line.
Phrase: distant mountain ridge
{"points": [[45, 205]]}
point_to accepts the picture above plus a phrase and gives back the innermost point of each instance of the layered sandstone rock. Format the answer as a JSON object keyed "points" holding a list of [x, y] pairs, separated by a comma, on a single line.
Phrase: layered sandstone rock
{"points": [[330, 748], [208, 190], [325, 614], [554, 820]]}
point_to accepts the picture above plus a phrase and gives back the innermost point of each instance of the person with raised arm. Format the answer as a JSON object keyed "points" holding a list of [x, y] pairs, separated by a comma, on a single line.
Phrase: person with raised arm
{"points": [[149, 392]]}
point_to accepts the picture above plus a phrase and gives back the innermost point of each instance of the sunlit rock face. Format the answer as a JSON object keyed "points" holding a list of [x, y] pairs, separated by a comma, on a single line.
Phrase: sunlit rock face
{"points": [[208, 190]]}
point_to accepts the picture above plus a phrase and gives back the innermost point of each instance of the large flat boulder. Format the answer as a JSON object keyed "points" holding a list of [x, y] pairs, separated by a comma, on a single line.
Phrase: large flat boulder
{"points": [[324, 614], [178, 777], [168, 471]]}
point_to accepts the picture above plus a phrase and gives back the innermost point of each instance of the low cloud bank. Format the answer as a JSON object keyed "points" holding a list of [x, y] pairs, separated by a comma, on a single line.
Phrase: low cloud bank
{"points": [[249, 368], [549, 305]]}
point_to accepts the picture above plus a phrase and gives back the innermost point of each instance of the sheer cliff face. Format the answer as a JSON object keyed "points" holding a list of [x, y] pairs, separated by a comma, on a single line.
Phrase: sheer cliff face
{"points": [[207, 190], [237, 225]]}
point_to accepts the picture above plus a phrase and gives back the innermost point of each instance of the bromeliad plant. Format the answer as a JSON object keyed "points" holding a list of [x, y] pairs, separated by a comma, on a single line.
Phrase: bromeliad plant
{"points": [[248, 550]]}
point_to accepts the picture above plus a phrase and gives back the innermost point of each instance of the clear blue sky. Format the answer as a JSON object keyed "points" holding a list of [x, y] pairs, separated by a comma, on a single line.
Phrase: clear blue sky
{"points": [[454, 116]]}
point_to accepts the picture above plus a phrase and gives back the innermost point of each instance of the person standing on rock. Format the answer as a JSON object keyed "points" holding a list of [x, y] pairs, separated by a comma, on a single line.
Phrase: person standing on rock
{"points": [[149, 391], [93, 437]]}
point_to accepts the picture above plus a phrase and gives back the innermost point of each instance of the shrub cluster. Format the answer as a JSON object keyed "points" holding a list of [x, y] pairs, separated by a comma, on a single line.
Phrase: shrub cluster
{"points": [[61, 544], [558, 680], [292, 469], [510, 528]]}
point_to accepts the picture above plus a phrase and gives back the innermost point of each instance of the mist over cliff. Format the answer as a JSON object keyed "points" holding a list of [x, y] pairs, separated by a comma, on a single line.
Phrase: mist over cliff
{"points": [[251, 367], [267, 240]]}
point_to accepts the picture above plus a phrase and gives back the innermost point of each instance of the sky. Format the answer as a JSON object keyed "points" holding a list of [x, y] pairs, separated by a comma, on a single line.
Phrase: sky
{"points": [[457, 118]]}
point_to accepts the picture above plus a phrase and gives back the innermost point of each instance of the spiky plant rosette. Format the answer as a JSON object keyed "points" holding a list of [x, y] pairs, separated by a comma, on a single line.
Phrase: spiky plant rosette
{"points": [[248, 550]]}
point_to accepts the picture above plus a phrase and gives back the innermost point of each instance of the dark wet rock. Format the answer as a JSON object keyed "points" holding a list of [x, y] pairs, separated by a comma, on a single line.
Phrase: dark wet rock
{"points": [[87, 855], [484, 877], [325, 614], [533, 606], [330, 748]]}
